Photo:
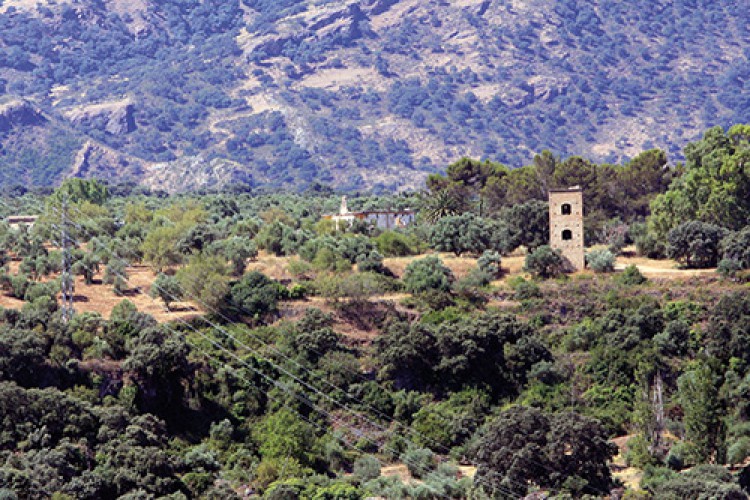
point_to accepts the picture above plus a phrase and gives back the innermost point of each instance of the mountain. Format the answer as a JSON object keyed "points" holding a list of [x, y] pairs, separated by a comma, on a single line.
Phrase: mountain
{"points": [[358, 94]]}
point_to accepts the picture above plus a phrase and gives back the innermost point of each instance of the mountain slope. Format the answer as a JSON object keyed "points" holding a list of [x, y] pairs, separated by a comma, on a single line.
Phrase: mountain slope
{"points": [[357, 93]]}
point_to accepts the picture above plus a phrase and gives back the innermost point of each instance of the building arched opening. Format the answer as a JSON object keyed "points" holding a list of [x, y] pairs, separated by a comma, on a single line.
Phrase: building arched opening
{"points": [[567, 235], [566, 209]]}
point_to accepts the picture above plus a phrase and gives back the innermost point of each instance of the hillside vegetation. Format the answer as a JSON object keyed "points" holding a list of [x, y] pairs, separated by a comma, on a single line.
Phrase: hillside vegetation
{"points": [[453, 358], [357, 94]]}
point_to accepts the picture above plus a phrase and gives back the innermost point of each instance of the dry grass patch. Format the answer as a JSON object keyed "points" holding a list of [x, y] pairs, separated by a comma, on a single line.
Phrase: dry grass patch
{"points": [[101, 298], [460, 266], [272, 266]]}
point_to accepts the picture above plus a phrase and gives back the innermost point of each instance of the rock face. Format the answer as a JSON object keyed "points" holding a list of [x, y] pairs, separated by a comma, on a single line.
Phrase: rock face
{"points": [[193, 173], [357, 94], [18, 113], [94, 160], [115, 118]]}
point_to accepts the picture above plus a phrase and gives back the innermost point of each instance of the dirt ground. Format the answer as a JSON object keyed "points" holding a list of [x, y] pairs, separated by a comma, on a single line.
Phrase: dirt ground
{"points": [[101, 299], [630, 476]]}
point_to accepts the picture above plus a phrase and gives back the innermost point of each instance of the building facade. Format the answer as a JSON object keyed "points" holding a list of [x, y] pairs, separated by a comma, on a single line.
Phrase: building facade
{"points": [[382, 219], [566, 225], [17, 221]]}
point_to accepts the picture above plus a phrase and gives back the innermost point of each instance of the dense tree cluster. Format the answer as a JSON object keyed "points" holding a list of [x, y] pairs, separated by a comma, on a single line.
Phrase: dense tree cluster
{"points": [[311, 356]]}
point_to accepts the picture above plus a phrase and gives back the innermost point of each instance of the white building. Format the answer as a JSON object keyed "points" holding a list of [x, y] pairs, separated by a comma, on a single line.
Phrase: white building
{"points": [[382, 219]]}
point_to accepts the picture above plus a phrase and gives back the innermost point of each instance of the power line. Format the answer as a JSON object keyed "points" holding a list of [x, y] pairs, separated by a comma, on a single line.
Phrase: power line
{"points": [[306, 385], [312, 388], [67, 284], [302, 399]]}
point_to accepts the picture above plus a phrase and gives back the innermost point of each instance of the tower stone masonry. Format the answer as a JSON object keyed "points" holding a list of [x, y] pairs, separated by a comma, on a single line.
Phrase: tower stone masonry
{"points": [[566, 225]]}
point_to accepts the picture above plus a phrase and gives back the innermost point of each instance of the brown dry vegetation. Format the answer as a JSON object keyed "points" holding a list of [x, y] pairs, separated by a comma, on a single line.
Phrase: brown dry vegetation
{"points": [[101, 299]]}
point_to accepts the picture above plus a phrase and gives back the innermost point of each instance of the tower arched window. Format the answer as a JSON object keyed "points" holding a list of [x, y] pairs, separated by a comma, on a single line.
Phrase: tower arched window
{"points": [[566, 209], [567, 235]]}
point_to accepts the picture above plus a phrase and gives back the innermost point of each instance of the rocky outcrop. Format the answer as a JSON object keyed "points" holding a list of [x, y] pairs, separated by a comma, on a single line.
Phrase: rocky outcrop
{"points": [[95, 160], [115, 118], [546, 88], [377, 7], [19, 113], [195, 172]]}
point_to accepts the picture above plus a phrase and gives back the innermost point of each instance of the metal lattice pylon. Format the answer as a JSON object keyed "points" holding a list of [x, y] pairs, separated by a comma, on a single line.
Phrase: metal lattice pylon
{"points": [[67, 284]]}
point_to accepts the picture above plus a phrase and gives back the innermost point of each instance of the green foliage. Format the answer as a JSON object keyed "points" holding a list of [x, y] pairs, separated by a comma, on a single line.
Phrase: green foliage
{"points": [[443, 202], [326, 259], [395, 244], [372, 263], [728, 268], [601, 261], [703, 481], [651, 246], [735, 247], [490, 262], [451, 423], [492, 350], [284, 435], [255, 296], [545, 262], [524, 289], [557, 448], [419, 461], [75, 191], [528, 224], [115, 274], [167, 288], [160, 247], [357, 287], [205, 279], [427, 274], [700, 401], [727, 331], [366, 468], [281, 239], [695, 244], [714, 189], [237, 251], [467, 233], [87, 266], [631, 276]]}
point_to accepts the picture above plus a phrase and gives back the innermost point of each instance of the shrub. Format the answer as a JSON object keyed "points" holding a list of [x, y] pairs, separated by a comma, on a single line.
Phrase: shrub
{"points": [[427, 274], [631, 276], [525, 290], [648, 245], [366, 468], [601, 261], [728, 268], [419, 461], [297, 292], [490, 263], [167, 288], [371, 263], [615, 235], [395, 244], [739, 451], [695, 244], [469, 233], [736, 247], [477, 278], [255, 295], [545, 262], [205, 279], [328, 260]]}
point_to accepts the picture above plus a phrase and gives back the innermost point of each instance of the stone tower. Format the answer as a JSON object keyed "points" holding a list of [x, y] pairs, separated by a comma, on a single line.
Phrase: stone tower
{"points": [[566, 225]]}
